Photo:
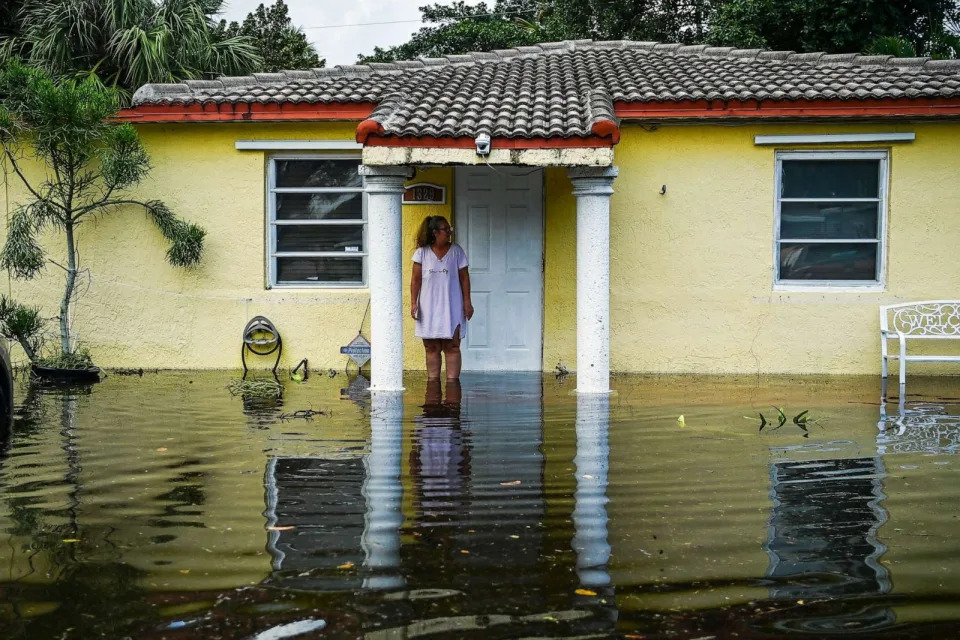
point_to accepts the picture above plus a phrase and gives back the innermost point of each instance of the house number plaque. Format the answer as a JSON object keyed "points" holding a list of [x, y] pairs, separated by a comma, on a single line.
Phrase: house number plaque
{"points": [[425, 193]]}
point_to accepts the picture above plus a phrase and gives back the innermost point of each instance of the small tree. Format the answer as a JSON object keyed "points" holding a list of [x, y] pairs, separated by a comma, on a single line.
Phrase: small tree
{"points": [[90, 163]]}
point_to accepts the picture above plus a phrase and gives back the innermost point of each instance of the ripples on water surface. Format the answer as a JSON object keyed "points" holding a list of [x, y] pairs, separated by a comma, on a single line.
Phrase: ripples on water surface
{"points": [[162, 507]]}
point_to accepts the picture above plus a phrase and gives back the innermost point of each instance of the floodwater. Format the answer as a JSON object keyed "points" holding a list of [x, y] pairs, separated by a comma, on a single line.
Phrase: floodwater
{"points": [[162, 507]]}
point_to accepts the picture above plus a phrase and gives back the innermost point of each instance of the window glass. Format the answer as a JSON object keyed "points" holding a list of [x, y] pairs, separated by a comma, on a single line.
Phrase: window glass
{"points": [[306, 270], [830, 178], [319, 206], [830, 216], [317, 211], [321, 173], [835, 261], [327, 237], [829, 220]]}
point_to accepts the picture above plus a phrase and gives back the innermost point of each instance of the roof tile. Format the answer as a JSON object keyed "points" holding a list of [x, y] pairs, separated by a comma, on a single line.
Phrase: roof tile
{"points": [[563, 89]]}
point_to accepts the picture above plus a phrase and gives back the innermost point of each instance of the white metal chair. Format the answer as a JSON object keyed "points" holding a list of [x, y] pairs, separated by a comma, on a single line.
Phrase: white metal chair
{"points": [[924, 320]]}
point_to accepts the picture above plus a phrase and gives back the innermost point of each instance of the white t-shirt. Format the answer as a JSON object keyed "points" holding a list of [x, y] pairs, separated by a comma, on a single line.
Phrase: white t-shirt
{"points": [[441, 300]]}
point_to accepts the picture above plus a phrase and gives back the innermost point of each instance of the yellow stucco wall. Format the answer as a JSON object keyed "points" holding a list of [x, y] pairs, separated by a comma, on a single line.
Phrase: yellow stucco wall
{"points": [[137, 310], [691, 270]]}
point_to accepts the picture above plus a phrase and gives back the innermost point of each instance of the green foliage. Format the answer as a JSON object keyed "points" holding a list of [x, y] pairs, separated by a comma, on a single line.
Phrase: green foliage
{"points": [[930, 27], [944, 45], [802, 421], [280, 44], [62, 120], [891, 46], [658, 20], [9, 24], [834, 26], [91, 162], [21, 255], [78, 359], [127, 43], [186, 239], [124, 162], [462, 28], [23, 324]]}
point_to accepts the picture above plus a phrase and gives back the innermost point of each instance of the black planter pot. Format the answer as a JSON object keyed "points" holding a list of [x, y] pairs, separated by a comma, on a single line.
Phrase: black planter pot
{"points": [[88, 375]]}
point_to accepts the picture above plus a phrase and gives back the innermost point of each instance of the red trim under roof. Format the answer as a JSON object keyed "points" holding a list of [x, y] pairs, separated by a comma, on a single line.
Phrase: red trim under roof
{"points": [[247, 111], [735, 109], [606, 132]]}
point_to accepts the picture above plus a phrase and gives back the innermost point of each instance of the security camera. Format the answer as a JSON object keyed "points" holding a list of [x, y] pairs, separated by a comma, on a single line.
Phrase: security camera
{"points": [[483, 144]]}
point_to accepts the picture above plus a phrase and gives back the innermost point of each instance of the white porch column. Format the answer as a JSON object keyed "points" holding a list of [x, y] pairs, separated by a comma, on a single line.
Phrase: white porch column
{"points": [[593, 187], [384, 188]]}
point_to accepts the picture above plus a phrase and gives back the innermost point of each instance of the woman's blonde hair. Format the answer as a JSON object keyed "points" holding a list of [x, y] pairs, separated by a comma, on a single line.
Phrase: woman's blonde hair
{"points": [[427, 233]]}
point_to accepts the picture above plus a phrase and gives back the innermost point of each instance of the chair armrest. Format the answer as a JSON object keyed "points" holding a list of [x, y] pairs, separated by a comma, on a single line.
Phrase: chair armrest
{"points": [[902, 337]]}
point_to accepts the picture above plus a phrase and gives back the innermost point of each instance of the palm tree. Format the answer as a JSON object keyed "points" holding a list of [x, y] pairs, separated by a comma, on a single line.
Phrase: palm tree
{"points": [[127, 43]]}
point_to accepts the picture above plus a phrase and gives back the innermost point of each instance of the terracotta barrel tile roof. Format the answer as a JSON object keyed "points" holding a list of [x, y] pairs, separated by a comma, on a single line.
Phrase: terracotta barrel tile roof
{"points": [[568, 89]]}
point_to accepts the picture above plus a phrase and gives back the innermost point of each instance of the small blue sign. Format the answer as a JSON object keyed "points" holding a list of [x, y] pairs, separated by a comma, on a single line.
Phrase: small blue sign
{"points": [[358, 350]]}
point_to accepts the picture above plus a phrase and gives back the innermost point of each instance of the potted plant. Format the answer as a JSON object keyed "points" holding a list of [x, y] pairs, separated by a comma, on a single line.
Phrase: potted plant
{"points": [[91, 163]]}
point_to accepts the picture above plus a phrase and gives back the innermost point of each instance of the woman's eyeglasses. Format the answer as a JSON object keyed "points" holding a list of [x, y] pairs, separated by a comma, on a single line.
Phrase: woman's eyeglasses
{"points": [[445, 229]]}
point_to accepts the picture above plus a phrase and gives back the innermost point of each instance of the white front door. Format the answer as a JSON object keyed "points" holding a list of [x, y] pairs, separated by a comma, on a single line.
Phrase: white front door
{"points": [[499, 223]]}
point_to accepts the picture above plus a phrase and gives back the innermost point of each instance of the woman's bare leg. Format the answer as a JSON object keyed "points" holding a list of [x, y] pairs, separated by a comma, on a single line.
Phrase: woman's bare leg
{"points": [[451, 353], [433, 349]]}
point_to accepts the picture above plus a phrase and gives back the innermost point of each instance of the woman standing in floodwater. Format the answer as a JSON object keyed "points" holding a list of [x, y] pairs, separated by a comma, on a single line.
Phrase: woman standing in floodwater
{"points": [[440, 295]]}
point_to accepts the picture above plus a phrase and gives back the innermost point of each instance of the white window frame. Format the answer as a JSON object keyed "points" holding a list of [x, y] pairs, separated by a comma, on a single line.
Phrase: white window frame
{"points": [[883, 156], [273, 223]]}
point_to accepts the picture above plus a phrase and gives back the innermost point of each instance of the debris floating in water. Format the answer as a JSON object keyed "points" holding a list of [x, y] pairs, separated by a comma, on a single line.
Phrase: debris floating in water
{"points": [[290, 630], [133, 372], [255, 388], [305, 414]]}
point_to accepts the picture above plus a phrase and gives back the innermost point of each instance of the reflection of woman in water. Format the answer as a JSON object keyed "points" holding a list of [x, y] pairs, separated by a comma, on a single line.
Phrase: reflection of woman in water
{"points": [[439, 460], [440, 295]]}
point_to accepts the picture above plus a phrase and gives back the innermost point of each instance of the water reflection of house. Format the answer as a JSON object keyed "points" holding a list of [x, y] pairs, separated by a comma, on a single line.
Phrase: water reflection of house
{"points": [[823, 543], [478, 486], [315, 520], [473, 537]]}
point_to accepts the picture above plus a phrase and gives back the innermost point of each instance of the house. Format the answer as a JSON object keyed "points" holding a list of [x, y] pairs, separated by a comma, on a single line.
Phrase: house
{"points": [[643, 208]]}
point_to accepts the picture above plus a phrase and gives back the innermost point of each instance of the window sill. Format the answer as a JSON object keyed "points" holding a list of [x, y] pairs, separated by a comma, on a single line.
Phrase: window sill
{"points": [[829, 288], [319, 287]]}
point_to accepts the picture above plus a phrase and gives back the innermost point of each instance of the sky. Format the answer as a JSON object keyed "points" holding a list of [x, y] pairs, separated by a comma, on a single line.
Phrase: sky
{"points": [[341, 44]]}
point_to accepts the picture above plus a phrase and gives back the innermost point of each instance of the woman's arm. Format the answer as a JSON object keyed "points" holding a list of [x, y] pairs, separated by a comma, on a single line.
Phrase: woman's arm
{"points": [[464, 274], [416, 281]]}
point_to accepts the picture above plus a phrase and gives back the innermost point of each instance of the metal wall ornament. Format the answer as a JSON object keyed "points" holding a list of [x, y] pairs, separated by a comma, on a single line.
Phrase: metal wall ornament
{"points": [[425, 193], [261, 338]]}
